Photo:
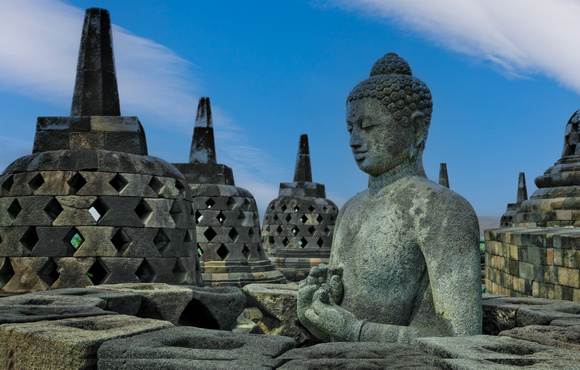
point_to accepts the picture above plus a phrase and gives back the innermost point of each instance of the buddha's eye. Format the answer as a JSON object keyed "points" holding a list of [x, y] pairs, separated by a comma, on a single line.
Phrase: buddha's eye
{"points": [[367, 123]]}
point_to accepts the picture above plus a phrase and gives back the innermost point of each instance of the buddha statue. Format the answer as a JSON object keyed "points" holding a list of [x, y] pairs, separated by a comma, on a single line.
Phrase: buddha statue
{"points": [[405, 259]]}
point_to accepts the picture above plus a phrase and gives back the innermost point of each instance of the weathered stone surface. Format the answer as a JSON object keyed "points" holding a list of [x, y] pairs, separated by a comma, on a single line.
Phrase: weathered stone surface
{"points": [[194, 348], [556, 336], [126, 303], [405, 260], [342, 355], [32, 313], [68, 343], [52, 300], [277, 302], [214, 307], [504, 313], [159, 301], [490, 352]]}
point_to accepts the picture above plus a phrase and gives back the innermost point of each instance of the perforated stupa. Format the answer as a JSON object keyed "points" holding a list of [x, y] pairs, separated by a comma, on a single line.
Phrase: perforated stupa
{"points": [[298, 225], [226, 216], [89, 207]]}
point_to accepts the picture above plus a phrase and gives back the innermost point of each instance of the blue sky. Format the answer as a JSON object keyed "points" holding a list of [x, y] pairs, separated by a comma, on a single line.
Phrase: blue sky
{"points": [[503, 76]]}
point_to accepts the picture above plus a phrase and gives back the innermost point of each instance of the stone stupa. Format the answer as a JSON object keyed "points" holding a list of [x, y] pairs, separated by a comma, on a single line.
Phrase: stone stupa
{"points": [[512, 208], [538, 255], [298, 225], [443, 177], [89, 207], [226, 216]]}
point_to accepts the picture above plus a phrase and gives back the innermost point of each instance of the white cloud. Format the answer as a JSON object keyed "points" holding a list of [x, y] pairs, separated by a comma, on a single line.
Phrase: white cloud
{"points": [[521, 36]]}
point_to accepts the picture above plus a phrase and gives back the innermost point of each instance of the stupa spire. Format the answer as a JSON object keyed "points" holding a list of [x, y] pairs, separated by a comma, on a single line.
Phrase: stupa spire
{"points": [[303, 171], [96, 92], [522, 191], [203, 143], [443, 178]]}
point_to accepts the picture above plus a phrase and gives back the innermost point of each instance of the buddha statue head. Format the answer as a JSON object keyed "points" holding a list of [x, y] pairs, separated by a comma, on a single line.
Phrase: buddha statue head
{"points": [[388, 117]]}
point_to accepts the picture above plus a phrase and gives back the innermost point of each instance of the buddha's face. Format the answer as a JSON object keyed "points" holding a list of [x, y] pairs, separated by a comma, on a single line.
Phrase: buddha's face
{"points": [[378, 142]]}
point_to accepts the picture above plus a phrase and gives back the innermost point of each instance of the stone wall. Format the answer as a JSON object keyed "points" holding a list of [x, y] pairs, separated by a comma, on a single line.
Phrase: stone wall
{"points": [[537, 262]]}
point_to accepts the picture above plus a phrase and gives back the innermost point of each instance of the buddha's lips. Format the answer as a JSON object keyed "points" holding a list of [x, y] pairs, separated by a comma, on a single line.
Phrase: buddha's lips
{"points": [[359, 155]]}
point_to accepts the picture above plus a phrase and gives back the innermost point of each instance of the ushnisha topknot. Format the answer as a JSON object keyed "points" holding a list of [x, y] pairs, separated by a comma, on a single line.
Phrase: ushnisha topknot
{"points": [[392, 83]]}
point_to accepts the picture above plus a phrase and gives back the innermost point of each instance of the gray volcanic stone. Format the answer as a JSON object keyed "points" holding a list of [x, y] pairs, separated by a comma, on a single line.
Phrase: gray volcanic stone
{"points": [[68, 343], [126, 303], [31, 313], [214, 307], [194, 348], [555, 336], [277, 302], [52, 300], [405, 259], [503, 313], [490, 352], [159, 301], [343, 355]]}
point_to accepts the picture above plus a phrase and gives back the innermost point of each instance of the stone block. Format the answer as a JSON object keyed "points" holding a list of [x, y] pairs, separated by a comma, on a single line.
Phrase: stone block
{"points": [[490, 352], [27, 274], [160, 216], [125, 303], [98, 183], [67, 343], [159, 301], [121, 212], [278, 304], [55, 183], [129, 142], [137, 186], [73, 272], [120, 270], [16, 313], [68, 160], [555, 336], [214, 307], [51, 242], [75, 211], [96, 241], [190, 347], [10, 245], [141, 242], [90, 140], [343, 355], [32, 211]]}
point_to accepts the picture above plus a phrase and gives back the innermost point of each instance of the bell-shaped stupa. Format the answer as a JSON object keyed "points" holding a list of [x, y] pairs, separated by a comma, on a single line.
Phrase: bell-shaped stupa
{"points": [[535, 252], [226, 216], [298, 225], [89, 207]]}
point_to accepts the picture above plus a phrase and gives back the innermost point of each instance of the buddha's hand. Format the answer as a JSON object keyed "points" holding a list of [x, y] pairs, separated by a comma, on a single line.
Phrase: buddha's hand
{"points": [[306, 290], [334, 282], [332, 320]]}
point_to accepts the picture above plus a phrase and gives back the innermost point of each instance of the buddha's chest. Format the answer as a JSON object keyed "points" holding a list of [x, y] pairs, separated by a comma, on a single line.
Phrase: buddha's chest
{"points": [[382, 261]]}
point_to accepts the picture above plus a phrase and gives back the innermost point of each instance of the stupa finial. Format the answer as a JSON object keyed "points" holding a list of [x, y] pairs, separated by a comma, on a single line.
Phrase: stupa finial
{"points": [[303, 171], [522, 191], [203, 143], [96, 92], [443, 178]]}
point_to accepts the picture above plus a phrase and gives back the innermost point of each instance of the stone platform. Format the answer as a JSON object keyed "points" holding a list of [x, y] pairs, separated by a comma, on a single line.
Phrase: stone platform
{"points": [[94, 329]]}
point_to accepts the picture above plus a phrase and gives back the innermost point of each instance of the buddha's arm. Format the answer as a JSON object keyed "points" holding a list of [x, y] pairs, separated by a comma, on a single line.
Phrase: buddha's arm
{"points": [[450, 246]]}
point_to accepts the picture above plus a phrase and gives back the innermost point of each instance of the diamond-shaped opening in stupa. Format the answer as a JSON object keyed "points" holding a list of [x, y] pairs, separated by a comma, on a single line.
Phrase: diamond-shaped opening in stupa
{"points": [[118, 183], [223, 251], [49, 272], [76, 182], [98, 272], [53, 209], [98, 209], [145, 273], [36, 182], [121, 240]]}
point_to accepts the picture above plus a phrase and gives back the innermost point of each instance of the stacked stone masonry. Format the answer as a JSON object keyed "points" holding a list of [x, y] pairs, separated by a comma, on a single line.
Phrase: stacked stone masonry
{"points": [[296, 231], [228, 236], [538, 262], [78, 228]]}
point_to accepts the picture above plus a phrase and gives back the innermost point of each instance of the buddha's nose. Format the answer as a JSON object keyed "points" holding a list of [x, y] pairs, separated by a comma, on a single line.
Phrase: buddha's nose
{"points": [[355, 139]]}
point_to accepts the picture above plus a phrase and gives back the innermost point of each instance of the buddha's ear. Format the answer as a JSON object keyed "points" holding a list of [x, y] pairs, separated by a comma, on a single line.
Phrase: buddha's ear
{"points": [[418, 120]]}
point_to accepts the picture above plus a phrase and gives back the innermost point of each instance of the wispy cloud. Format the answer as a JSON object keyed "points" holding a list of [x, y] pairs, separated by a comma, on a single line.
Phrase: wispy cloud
{"points": [[40, 41], [520, 36]]}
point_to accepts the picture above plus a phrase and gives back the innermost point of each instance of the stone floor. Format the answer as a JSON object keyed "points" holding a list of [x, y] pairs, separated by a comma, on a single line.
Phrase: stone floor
{"points": [[149, 326]]}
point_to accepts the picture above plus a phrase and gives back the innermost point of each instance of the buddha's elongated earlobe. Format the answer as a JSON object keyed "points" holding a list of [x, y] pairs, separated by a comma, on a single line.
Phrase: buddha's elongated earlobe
{"points": [[417, 120]]}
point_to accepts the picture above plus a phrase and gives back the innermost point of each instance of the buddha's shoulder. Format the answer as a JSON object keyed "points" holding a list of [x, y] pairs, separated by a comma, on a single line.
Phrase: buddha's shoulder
{"points": [[423, 192]]}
